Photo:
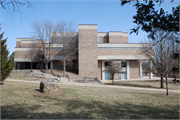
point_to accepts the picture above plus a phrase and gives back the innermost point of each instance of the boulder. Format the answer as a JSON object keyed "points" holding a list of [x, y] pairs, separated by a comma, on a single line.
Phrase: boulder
{"points": [[48, 87]]}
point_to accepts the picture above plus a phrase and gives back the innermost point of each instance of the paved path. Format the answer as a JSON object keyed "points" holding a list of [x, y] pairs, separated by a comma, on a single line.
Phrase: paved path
{"points": [[66, 82]]}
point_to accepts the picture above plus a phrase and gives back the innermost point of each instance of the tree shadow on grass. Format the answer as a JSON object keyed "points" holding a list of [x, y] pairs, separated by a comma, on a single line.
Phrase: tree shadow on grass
{"points": [[133, 85], [81, 109]]}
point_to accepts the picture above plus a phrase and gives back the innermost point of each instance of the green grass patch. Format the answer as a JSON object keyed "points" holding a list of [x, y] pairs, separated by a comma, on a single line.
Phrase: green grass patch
{"points": [[24, 100]]}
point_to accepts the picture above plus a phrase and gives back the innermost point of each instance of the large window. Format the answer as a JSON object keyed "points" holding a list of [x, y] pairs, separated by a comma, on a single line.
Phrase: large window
{"points": [[107, 76], [99, 39], [123, 75], [123, 63], [124, 48]]}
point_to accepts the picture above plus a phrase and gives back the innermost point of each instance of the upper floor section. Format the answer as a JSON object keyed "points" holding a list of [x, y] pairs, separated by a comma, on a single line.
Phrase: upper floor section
{"points": [[86, 32], [89, 42], [104, 37], [27, 42]]}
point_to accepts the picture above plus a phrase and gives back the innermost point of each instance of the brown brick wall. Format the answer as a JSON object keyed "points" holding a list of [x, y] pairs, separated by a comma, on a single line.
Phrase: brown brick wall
{"points": [[22, 54], [57, 65], [134, 69], [119, 76], [87, 52], [105, 39], [117, 52], [99, 69], [18, 43], [118, 39], [26, 45], [124, 39]]}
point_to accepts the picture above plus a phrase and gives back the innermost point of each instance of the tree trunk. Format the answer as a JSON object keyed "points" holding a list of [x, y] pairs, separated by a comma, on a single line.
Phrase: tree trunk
{"points": [[64, 67], [166, 82], [46, 66], [112, 79], [162, 81], [175, 79]]}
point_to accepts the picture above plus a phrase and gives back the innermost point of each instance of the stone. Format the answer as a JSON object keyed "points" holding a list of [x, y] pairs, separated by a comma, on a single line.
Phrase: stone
{"points": [[48, 87]]}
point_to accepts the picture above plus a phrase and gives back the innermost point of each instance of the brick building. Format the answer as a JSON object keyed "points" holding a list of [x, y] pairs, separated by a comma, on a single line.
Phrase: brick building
{"points": [[95, 50]]}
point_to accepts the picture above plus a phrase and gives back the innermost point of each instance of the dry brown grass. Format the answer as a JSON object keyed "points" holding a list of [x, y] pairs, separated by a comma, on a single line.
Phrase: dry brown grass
{"points": [[147, 84], [21, 100]]}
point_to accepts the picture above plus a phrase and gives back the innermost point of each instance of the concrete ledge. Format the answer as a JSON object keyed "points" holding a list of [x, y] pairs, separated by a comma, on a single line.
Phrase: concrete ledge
{"points": [[87, 26], [120, 57]]}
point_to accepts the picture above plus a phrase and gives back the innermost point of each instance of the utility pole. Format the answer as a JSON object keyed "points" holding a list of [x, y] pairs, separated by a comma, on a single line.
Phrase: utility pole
{"points": [[64, 70], [31, 61]]}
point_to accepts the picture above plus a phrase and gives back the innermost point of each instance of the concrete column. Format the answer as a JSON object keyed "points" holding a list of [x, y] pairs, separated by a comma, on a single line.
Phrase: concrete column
{"points": [[103, 73], [140, 69], [127, 69], [51, 64], [150, 73]]}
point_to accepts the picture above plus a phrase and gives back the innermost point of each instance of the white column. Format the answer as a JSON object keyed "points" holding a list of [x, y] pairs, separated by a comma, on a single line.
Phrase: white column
{"points": [[150, 73], [127, 69], [103, 73], [51, 64], [140, 69]]}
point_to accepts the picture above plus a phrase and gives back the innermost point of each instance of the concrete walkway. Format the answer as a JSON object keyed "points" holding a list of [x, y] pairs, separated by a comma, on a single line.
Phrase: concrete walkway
{"points": [[66, 82]]}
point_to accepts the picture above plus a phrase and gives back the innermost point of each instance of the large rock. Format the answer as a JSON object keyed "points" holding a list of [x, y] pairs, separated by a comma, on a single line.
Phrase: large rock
{"points": [[48, 87]]}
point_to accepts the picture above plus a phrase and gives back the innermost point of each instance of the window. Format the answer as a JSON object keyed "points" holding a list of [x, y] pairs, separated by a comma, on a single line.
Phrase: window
{"points": [[123, 75], [123, 63], [99, 39], [107, 76], [122, 47], [107, 64], [27, 52]]}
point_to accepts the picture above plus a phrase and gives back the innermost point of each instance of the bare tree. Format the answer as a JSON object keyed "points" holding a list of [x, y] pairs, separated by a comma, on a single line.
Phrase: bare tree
{"points": [[160, 55], [66, 36], [12, 6], [44, 31], [57, 39], [113, 67]]}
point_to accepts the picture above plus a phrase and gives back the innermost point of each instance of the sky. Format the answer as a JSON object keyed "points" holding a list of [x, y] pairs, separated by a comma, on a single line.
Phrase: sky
{"points": [[109, 15]]}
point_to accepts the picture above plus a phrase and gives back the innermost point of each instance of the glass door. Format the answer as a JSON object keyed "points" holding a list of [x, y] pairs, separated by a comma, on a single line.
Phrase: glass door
{"points": [[123, 75], [107, 76]]}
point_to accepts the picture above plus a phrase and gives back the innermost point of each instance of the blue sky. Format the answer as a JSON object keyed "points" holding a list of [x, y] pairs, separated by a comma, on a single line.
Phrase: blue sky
{"points": [[109, 15]]}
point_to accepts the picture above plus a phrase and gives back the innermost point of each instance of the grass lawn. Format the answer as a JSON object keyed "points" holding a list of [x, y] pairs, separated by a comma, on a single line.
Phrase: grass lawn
{"points": [[23, 100], [148, 84]]}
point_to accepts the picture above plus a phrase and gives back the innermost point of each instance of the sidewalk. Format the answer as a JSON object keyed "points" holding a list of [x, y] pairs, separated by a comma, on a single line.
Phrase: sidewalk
{"points": [[66, 82]]}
